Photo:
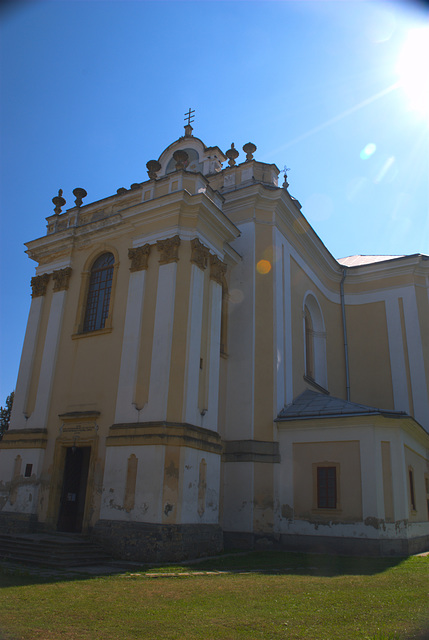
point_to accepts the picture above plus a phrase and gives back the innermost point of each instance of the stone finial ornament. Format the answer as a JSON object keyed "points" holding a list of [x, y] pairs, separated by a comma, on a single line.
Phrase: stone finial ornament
{"points": [[181, 158], [58, 201], [249, 149], [121, 191], [285, 182], [80, 194], [232, 154], [153, 166], [39, 284], [139, 258]]}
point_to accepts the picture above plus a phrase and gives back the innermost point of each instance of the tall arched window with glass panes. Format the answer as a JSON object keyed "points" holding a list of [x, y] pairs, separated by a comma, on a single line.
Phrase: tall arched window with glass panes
{"points": [[98, 298]]}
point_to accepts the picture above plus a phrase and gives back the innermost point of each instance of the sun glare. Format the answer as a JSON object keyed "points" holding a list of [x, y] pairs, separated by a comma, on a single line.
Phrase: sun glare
{"points": [[413, 69]]}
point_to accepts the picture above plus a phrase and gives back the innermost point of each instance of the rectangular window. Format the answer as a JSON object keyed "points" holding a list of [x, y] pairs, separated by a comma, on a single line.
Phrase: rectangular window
{"points": [[28, 470], [326, 487]]}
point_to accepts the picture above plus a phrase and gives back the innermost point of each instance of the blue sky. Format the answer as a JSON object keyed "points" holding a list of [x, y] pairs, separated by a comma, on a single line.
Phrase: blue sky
{"points": [[92, 90]]}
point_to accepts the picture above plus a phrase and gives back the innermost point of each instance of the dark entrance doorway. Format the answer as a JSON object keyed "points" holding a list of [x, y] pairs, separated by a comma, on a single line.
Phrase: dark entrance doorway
{"points": [[74, 489]]}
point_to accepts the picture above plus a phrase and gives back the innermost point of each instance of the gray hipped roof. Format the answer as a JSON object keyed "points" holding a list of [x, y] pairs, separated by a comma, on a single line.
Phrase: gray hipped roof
{"points": [[311, 404]]}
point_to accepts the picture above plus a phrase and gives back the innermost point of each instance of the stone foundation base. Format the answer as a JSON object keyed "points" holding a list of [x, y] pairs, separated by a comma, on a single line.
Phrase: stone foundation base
{"points": [[17, 523], [324, 544], [144, 542]]}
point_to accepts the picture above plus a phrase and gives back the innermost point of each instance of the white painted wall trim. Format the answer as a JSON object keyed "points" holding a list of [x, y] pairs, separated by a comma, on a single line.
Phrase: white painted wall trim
{"points": [[156, 409], [126, 410], [38, 418], [18, 418], [191, 413]]}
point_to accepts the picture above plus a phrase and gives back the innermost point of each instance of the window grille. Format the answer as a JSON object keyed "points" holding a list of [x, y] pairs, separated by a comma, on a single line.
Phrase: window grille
{"points": [[326, 487], [100, 286]]}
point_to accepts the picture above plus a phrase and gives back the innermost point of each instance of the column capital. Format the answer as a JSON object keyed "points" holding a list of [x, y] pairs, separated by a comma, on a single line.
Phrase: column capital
{"points": [[168, 249], [139, 257], [62, 279], [217, 270], [199, 253], [39, 285]]}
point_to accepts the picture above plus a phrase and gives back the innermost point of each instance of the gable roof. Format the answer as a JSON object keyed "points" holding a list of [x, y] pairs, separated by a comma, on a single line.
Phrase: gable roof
{"points": [[311, 404]]}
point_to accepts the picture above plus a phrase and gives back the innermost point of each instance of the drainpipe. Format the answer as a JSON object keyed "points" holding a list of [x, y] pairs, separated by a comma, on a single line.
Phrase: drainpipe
{"points": [[346, 349]]}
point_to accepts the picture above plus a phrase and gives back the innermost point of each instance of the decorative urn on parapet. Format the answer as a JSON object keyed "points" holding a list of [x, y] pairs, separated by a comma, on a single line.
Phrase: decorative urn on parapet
{"points": [[232, 154], [153, 166], [58, 201], [80, 194], [249, 149], [181, 158]]}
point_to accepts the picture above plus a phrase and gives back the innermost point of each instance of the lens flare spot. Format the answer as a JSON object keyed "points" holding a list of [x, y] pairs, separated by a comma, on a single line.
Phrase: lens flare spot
{"points": [[368, 151], [263, 267], [412, 69], [385, 169], [236, 296]]}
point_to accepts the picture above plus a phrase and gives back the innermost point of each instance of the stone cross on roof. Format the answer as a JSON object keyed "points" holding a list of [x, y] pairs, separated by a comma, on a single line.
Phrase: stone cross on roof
{"points": [[189, 116]]}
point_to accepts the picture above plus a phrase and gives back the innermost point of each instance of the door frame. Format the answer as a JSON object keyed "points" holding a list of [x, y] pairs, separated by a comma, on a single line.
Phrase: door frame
{"points": [[80, 430]]}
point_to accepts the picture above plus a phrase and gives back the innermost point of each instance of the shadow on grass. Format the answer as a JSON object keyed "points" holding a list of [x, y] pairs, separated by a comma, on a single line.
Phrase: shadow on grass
{"points": [[265, 562], [292, 563]]}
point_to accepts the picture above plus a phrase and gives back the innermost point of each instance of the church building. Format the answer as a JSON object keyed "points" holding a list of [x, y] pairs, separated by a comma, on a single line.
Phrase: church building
{"points": [[200, 373]]}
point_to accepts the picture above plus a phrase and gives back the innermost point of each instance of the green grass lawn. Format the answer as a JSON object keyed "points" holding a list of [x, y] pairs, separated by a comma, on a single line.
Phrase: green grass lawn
{"points": [[260, 595]]}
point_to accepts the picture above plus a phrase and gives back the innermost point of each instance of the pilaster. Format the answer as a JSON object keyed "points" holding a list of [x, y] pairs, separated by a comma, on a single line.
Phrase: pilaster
{"points": [[126, 410], [39, 416]]}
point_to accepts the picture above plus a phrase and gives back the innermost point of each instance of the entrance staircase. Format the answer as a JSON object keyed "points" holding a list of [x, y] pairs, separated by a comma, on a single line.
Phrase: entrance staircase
{"points": [[60, 550]]}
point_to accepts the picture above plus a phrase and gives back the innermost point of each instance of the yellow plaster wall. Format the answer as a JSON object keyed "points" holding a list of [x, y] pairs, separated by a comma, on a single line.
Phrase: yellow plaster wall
{"points": [[369, 359], [264, 340], [88, 364], [347, 456], [300, 284]]}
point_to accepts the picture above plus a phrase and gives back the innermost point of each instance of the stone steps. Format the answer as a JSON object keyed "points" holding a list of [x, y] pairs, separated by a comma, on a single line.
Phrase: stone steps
{"points": [[52, 550]]}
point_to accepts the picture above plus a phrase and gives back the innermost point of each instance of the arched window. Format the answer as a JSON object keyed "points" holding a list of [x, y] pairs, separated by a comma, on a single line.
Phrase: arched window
{"points": [[98, 299], [314, 342]]}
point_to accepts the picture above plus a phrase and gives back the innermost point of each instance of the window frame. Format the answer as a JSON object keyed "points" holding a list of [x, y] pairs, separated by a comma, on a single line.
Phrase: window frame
{"points": [[84, 290], [99, 294], [314, 342], [328, 510]]}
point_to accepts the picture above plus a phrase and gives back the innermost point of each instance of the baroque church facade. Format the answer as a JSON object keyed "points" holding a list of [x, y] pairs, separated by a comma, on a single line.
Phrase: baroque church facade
{"points": [[199, 373]]}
